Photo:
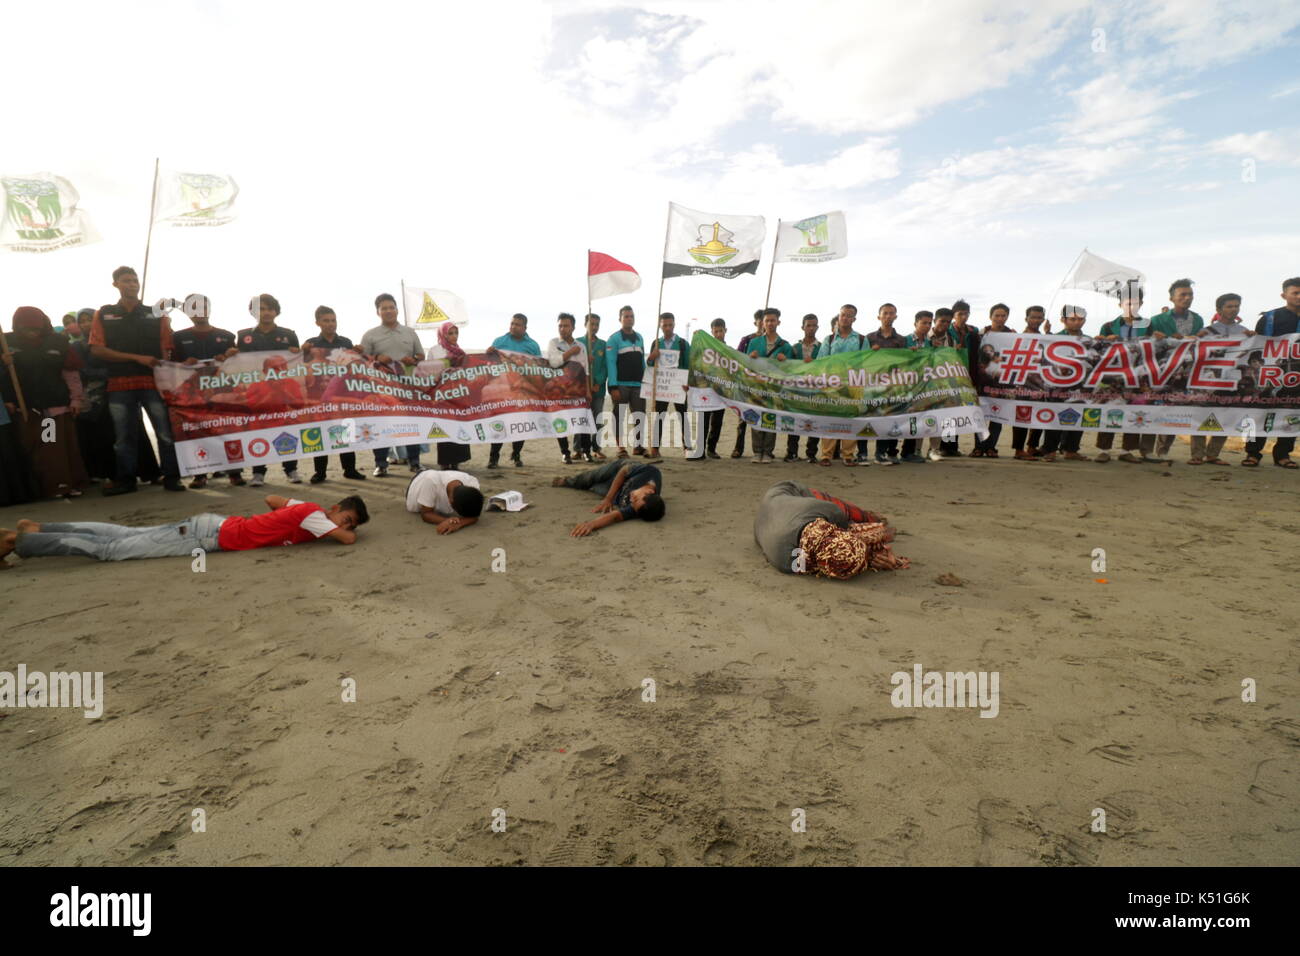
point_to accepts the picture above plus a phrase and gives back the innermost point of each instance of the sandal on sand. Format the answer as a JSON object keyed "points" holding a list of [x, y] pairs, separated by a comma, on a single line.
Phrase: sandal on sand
{"points": [[825, 462], [622, 453], [1103, 458], [1286, 463], [1196, 461], [1075, 456], [1048, 456], [1252, 461], [599, 456], [991, 453], [1215, 461], [1131, 458]]}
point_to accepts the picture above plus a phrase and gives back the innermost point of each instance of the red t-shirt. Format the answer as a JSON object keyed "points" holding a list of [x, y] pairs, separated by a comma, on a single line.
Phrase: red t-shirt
{"points": [[295, 523]]}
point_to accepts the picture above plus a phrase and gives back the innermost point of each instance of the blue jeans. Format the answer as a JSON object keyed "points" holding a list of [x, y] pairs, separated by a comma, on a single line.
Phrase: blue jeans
{"points": [[124, 407], [115, 542], [412, 456]]}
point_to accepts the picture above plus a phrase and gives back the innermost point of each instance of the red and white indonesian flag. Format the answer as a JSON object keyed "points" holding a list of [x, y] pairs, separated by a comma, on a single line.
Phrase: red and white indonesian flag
{"points": [[426, 309], [607, 276], [195, 199]]}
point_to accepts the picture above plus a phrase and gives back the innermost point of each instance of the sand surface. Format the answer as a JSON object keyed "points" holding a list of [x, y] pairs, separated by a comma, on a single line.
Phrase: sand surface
{"points": [[522, 690]]}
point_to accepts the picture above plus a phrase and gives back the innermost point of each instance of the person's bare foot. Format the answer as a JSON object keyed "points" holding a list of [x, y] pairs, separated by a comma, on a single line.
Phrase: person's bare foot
{"points": [[27, 525], [8, 540]]}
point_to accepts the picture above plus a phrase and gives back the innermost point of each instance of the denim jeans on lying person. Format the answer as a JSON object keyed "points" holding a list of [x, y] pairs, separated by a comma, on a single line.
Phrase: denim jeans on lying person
{"points": [[115, 542], [124, 408]]}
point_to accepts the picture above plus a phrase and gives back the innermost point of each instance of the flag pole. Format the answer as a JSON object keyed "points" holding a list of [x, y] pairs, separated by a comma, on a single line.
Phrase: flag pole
{"points": [[586, 325], [1047, 320], [13, 375], [772, 267], [404, 322], [659, 308], [148, 242]]}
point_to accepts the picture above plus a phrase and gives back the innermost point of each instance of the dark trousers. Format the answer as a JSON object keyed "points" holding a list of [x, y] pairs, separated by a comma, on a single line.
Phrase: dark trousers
{"points": [[290, 468], [629, 403], [516, 448], [125, 407], [586, 444], [887, 447], [713, 428], [1062, 440], [990, 443], [661, 421], [864, 448], [911, 446], [1018, 436], [948, 447], [1282, 448], [740, 437], [348, 459], [792, 447]]}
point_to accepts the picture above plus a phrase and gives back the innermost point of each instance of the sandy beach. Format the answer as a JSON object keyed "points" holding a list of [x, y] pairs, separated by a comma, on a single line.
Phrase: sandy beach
{"points": [[522, 690]]}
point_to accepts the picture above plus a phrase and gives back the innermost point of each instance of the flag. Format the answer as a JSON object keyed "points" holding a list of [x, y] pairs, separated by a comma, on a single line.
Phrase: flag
{"points": [[815, 239], [41, 215], [709, 244], [195, 199], [426, 309], [1096, 274], [607, 276]]}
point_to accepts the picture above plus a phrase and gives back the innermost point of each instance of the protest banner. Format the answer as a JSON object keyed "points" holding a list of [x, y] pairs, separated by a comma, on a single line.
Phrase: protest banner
{"points": [[1243, 386], [260, 407], [889, 393]]}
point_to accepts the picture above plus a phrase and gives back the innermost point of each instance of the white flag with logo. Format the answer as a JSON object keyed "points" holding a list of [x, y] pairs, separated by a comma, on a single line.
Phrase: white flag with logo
{"points": [[427, 309], [41, 215], [1096, 274], [712, 244], [195, 199], [815, 239]]}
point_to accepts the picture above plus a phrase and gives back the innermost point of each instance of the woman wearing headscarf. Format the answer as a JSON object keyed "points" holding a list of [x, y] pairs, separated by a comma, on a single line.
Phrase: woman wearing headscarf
{"points": [[46, 367], [804, 531], [450, 453], [94, 424]]}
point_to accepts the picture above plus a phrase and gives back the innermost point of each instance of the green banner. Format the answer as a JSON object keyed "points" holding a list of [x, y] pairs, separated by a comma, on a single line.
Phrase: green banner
{"points": [[867, 384]]}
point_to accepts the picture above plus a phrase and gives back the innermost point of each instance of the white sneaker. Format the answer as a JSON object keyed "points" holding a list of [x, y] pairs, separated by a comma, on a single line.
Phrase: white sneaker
{"points": [[256, 481], [935, 456], [295, 478]]}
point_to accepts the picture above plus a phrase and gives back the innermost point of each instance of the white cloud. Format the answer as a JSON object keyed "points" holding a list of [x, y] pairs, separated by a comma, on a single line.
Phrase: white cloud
{"points": [[1265, 146]]}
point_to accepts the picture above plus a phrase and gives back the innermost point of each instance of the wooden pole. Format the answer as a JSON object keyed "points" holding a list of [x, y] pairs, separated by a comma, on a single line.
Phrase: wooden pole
{"points": [[772, 267], [13, 375], [153, 204]]}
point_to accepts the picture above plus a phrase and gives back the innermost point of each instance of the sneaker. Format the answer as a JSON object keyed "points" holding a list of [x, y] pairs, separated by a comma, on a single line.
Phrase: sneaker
{"points": [[381, 471], [317, 479], [237, 481], [257, 481], [862, 459], [567, 458], [914, 459], [493, 463], [886, 460], [121, 488], [199, 481], [935, 456], [713, 454], [354, 475], [294, 478], [519, 462], [173, 483]]}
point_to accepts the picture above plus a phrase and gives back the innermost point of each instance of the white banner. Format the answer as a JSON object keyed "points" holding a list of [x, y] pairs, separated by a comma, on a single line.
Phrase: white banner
{"points": [[815, 239], [709, 244], [426, 309], [41, 215], [195, 199]]}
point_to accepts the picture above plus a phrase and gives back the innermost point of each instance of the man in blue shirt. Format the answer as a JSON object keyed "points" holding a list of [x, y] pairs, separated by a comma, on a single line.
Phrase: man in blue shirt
{"points": [[516, 340], [1283, 321], [668, 341], [625, 366], [743, 349]]}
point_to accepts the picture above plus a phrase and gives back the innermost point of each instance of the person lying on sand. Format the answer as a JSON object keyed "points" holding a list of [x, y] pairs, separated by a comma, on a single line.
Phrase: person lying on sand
{"points": [[448, 500], [803, 531], [628, 490], [288, 522]]}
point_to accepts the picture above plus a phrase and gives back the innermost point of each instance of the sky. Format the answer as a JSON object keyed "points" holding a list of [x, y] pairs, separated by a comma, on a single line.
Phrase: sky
{"points": [[975, 149]]}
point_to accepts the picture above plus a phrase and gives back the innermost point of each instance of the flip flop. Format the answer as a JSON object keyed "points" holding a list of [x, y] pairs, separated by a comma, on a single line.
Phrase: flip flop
{"points": [[1196, 461], [1286, 463], [825, 463], [1216, 461], [1250, 462]]}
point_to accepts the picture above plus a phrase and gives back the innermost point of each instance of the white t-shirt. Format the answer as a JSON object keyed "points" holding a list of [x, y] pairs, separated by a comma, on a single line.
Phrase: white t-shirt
{"points": [[428, 489], [556, 348]]}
